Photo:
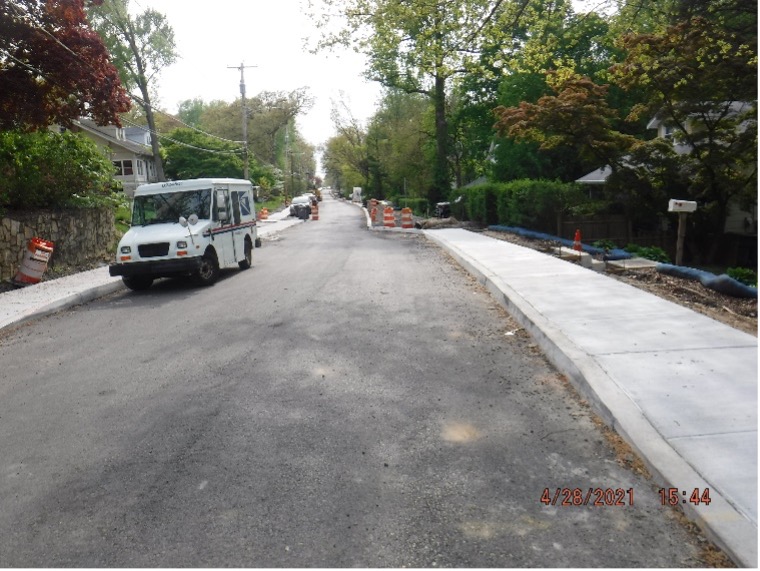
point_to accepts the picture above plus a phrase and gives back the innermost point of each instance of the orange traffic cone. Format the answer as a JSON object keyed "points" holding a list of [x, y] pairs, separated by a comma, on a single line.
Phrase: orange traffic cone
{"points": [[577, 241]]}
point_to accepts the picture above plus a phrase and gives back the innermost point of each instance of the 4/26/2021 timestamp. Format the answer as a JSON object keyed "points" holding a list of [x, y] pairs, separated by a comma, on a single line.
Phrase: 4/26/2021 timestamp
{"points": [[596, 497]]}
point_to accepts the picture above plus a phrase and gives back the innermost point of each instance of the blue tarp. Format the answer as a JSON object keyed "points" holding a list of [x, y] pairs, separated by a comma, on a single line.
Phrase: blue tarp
{"points": [[722, 283], [616, 254]]}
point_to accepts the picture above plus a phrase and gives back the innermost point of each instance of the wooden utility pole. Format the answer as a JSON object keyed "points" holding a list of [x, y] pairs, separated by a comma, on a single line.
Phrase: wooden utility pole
{"points": [[242, 67]]}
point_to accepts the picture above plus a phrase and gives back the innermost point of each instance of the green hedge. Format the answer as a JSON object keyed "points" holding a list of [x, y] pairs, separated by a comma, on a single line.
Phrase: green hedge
{"points": [[533, 204]]}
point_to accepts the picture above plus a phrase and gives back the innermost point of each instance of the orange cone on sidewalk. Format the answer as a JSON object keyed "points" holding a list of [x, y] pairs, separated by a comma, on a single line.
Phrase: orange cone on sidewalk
{"points": [[577, 241]]}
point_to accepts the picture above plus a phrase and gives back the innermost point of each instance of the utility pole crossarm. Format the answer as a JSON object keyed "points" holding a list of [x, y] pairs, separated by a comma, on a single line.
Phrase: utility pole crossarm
{"points": [[242, 67]]}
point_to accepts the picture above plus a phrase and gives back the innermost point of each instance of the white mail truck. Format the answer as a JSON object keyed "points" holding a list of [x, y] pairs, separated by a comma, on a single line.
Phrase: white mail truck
{"points": [[187, 228]]}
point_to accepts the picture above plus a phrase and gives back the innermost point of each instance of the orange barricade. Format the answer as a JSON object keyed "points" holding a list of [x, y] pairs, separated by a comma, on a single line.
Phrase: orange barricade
{"points": [[314, 212]]}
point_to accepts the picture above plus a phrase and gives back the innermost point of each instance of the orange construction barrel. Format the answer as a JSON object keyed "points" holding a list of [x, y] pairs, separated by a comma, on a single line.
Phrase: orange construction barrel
{"points": [[389, 219], [34, 263], [406, 218]]}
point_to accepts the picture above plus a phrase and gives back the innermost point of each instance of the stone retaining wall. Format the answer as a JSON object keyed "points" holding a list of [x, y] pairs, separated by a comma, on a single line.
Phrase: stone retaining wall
{"points": [[81, 237]]}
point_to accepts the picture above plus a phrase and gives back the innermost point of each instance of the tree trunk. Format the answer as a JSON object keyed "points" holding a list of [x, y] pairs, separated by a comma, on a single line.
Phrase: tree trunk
{"points": [[159, 164], [441, 179], [142, 85]]}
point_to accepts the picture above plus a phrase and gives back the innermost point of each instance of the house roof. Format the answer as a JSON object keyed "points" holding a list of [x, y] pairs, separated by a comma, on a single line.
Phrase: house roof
{"points": [[735, 107], [598, 176], [106, 134], [478, 181]]}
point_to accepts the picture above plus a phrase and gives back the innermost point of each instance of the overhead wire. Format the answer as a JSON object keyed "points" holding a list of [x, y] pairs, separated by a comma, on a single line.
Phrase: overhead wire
{"points": [[237, 151]]}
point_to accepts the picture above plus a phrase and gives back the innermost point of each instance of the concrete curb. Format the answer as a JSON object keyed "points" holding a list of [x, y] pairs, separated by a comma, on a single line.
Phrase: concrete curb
{"points": [[79, 298], [723, 524]]}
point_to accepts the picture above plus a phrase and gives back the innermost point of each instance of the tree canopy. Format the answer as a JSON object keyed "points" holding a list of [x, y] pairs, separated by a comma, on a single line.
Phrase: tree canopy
{"points": [[54, 68]]}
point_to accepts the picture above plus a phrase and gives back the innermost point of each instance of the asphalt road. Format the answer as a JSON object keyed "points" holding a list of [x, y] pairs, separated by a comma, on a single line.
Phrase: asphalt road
{"points": [[354, 399]]}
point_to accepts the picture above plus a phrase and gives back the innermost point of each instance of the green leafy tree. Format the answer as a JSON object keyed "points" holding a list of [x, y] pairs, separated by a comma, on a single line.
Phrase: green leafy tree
{"points": [[54, 68], [420, 46], [272, 115], [340, 159], [551, 36], [398, 146], [347, 152], [190, 154], [141, 45], [48, 170], [190, 111], [578, 116]]}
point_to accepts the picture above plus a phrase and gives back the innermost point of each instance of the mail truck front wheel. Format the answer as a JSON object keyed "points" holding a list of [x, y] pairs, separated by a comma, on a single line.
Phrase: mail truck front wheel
{"points": [[208, 272], [137, 283]]}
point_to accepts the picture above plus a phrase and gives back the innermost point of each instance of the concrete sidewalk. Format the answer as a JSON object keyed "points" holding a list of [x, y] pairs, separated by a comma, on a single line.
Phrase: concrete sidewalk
{"points": [[680, 387]]}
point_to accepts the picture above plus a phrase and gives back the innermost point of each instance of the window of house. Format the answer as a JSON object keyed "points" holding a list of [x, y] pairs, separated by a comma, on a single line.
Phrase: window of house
{"points": [[667, 131], [140, 168], [123, 168]]}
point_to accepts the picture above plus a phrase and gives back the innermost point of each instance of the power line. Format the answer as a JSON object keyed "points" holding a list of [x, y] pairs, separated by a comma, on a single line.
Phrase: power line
{"points": [[181, 143], [175, 118]]}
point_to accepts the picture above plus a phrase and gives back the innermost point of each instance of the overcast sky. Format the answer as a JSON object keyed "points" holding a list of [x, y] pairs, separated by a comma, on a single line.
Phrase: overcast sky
{"points": [[268, 34]]}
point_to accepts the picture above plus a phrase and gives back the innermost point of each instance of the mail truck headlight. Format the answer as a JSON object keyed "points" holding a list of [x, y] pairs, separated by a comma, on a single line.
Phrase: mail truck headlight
{"points": [[181, 245], [126, 249]]}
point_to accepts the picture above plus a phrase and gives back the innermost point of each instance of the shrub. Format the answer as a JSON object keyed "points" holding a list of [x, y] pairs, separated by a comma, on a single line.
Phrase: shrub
{"points": [[418, 205], [604, 244], [743, 275], [649, 252], [47, 170]]}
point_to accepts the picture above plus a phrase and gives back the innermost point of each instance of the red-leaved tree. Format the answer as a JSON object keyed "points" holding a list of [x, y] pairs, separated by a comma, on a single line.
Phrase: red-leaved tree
{"points": [[53, 67]]}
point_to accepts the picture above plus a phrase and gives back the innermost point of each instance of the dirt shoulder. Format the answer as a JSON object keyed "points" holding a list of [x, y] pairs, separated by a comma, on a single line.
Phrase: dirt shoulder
{"points": [[733, 311]]}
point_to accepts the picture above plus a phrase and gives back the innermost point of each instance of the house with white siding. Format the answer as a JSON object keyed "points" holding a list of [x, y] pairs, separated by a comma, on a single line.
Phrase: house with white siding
{"points": [[128, 148]]}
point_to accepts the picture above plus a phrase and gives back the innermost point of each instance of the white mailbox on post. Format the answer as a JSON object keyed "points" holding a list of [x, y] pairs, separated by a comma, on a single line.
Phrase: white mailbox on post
{"points": [[683, 207], [675, 205]]}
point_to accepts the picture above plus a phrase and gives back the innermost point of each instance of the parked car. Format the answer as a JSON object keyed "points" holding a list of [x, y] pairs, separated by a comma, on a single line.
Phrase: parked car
{"points": [[300, 207]]}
